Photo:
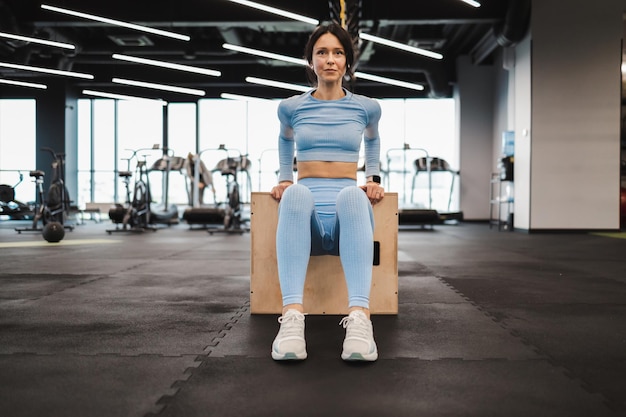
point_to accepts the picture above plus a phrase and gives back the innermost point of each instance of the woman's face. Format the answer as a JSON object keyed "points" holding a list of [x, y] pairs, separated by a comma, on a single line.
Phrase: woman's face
{"points": [[329, 59]]}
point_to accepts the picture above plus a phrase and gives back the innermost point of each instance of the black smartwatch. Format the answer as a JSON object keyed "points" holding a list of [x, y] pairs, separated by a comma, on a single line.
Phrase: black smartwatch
{"points": [[376, 179]]}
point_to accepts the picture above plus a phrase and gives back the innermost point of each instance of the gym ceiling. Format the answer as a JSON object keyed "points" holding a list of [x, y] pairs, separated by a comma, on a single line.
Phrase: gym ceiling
{"points": [[449, 27]]}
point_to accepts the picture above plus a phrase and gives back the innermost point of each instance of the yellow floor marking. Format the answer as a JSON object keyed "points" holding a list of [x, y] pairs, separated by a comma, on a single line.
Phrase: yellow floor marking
{"points": [[617, 235], [69, 242]]}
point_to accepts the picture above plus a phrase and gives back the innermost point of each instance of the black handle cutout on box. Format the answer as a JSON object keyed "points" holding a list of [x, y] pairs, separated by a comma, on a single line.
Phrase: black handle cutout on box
{"points": [[376, 252]]}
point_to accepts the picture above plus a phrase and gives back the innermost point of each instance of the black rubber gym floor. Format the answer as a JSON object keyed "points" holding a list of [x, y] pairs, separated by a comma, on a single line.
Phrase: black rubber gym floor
{"points": [[158, 324]]}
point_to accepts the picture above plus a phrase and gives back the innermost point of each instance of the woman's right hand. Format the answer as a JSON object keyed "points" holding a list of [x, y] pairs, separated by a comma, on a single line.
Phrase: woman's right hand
{"points": [[278, 190]]}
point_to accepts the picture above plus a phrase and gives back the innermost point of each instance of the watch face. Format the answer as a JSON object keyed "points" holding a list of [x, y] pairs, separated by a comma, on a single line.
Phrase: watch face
{"points": [[376, 179]]}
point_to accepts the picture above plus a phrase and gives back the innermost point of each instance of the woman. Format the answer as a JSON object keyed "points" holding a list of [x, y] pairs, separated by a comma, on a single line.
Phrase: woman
{"points": [[326, 212]]}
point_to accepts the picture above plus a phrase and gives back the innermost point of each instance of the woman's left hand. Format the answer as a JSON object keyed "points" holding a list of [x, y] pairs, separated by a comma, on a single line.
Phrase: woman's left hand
{"points": [[374, 192]]}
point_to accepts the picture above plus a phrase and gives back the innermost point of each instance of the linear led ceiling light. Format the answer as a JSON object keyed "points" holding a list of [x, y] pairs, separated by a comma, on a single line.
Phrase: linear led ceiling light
{"points": [[163, 64], [117, 22], [279, 84], [471, 3], [401, 46], [23, 84], [389, 81], [36, 40], [264, 54], [298, 61], [123, 97], [47, 70], [278, 12], [172, 88], [242, 98]]}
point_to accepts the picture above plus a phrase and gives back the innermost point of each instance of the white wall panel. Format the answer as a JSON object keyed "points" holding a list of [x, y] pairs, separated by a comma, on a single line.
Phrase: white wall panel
{"points": [[574, 160]]}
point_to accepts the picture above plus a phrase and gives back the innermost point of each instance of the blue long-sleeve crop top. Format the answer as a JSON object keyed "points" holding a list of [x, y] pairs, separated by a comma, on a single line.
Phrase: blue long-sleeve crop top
{"points": [[328, 130]]}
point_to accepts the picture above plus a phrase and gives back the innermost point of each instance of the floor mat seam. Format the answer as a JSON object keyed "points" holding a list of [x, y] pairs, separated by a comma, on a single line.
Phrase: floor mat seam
{"points": [[166, 399]]}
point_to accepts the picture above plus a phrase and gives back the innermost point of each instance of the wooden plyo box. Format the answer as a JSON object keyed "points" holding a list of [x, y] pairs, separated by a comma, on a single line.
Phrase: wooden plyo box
{"points": [[325, 289]]}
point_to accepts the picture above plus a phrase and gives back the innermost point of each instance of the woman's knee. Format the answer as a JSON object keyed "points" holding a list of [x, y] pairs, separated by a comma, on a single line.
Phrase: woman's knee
{"points": [[351, 196], [297, 198], [352, 201]]}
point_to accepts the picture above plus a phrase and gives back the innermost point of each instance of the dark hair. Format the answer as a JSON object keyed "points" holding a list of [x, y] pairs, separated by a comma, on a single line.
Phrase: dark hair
{"points": [[346, 42]]}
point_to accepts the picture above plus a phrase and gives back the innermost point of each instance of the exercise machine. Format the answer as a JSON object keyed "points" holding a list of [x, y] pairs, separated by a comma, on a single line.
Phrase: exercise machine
{"points": [[117, 213], [40, 204], [431, 165], [196, 185], [220, 216], [200, 178], [136, 214], [413, 161], [9, 206], [165, 212], [55, 206], [231, 168]]}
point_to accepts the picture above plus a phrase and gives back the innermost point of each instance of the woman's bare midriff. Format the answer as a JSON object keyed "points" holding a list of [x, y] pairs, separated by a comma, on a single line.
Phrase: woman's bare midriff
{"points": [[327, 169]]}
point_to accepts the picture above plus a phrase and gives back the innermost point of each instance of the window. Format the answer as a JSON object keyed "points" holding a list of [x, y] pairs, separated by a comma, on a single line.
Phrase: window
{"points": [[224, 122], [140, 126], [407, 128], [103, 150], [182, 136], [85, 161], [17, 146], [412, 129]]}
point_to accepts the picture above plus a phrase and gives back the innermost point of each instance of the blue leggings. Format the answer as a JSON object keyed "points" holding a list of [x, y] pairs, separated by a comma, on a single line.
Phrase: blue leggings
{"points": [[322, 216]]}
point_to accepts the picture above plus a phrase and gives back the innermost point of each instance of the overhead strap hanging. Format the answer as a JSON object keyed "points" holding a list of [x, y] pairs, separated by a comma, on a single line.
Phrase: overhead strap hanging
{"points": [[348, 14]]}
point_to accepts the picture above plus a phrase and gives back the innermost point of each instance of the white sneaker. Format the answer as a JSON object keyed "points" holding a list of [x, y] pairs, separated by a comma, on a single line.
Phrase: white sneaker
{"points": [[289, 343], [359, 343]]}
